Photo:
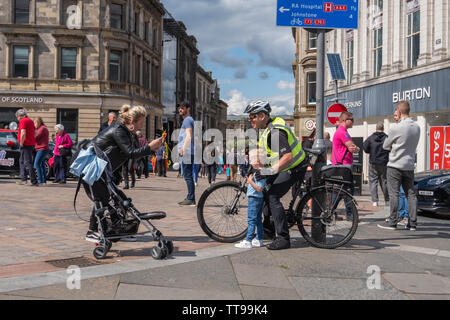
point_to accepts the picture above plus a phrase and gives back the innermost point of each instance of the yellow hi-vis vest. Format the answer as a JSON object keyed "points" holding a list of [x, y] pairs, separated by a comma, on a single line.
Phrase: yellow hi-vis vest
{"points": [[298, 155]]}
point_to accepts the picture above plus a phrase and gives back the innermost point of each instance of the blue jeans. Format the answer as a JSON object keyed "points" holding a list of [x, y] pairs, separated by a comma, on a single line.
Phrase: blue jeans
{"points": [[254, 218], [39, 165], [195, 170], [187, 174], [402, 204]]}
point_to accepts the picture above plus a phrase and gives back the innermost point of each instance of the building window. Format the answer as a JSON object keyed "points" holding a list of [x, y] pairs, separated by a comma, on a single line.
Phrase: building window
{"points": [[69, 63], [146, 33], [116, 15], [350, 56], [312, 40], [377, 6], [377, 51], [21, 61], [155, 38], [137, 70], [115, 61], [146, 74], [22, 11], [311, 87], [69, 119], [136, 23], [413, 38]]}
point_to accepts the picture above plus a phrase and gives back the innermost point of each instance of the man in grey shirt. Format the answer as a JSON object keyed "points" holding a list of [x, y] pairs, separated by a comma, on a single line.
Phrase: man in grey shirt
{"points": [[402, 143]]}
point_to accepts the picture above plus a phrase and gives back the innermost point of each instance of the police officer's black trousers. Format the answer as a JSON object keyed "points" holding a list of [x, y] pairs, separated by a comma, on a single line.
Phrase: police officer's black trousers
{"points": [[279, 186]]}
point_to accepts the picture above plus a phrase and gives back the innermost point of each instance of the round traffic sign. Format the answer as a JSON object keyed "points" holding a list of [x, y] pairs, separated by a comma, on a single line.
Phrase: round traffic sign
{"points": [[310, 125], [334, 111]]}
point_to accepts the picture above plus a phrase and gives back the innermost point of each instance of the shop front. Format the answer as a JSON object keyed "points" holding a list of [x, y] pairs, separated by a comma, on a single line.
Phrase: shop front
{"points": [[81, 114], [428, 96]]}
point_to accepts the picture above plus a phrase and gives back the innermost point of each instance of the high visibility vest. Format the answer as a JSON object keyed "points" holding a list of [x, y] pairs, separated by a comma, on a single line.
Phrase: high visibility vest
{"points": [[298, 155]]}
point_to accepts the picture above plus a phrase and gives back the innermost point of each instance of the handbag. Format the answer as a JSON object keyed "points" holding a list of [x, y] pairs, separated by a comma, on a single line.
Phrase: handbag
{"points": [[65, 152]]}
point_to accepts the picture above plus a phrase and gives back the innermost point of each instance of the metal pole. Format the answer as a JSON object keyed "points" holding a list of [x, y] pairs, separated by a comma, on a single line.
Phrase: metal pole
{"points": [[318, 230]]}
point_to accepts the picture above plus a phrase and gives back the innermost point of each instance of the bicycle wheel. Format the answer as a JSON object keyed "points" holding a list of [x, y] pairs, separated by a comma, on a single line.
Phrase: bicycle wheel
{"points": [[216, 216], [338, 218]]}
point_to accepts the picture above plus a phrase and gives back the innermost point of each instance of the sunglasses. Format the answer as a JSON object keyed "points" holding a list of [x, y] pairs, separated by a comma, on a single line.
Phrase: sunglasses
{"points": [[351, 119], [252, 116]]}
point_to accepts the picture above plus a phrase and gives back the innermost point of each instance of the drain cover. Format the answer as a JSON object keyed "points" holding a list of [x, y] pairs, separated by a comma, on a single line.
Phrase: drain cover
{"points": [[79, 261]]}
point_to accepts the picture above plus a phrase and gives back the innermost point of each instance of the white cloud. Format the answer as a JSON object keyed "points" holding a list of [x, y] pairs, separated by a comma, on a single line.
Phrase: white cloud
{"points": [[224, 24], [280, 104], [285, 85]]}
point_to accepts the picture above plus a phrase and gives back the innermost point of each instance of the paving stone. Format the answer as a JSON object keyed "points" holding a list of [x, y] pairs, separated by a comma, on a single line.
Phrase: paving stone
{"points": [[265, 293], [208, 274], [141, 292], [419, 283], [262, 276], [309, 288], [92, 289]]}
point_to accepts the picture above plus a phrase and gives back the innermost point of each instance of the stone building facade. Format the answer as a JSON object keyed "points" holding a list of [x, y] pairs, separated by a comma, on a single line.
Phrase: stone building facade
{"points": [[304, 69], [73, 61], [400, 51]]}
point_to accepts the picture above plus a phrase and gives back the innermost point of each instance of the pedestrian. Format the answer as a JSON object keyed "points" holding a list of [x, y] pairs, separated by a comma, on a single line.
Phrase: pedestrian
{"points": [[63, 146], [244, 167], [285, 163], [112, 117], [232, 164], [377, 163], [128, 167], [27, 141], [402, 142], [256, 183], [186, 151], [328, 146], [220, 164], [161, 161], [343, 148], [308, 142], [143, 162], [211, 168], [42, 149]]}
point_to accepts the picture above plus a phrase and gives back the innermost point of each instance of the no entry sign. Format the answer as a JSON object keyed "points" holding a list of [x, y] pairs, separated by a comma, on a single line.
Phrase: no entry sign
{"points": [[334, 111]]}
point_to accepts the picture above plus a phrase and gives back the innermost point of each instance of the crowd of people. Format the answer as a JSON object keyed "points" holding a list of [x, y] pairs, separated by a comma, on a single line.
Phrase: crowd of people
{"points": [[391, 162]]}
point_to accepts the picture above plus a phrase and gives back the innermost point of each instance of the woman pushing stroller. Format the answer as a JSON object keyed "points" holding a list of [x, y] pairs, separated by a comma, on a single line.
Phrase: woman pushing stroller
{"points": [[116, 142]]}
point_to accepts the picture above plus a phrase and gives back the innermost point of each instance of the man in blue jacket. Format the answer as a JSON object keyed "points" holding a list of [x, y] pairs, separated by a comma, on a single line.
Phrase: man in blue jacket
{"points": [[377, 163]]}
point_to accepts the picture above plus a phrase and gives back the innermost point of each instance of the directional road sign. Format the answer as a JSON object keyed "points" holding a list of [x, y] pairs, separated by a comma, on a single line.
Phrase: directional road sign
{"points": [[327, 14]]}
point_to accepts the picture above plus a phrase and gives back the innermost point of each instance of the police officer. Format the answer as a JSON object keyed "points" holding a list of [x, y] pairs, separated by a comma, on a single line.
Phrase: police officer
{"points": [[285, 166]]}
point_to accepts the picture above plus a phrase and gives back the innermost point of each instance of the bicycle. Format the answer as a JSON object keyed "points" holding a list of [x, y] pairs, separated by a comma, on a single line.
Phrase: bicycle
{"points": [[222, 209]]}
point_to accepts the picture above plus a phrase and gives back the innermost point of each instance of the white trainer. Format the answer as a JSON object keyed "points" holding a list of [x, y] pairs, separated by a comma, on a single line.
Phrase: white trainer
{"points": [[375, 204], [257, 243], [244, 244]]}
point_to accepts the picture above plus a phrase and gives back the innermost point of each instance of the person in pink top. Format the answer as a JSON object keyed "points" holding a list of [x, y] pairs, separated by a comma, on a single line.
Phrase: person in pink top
{"points": [[42, 150], [62, 141], [343, 146]]}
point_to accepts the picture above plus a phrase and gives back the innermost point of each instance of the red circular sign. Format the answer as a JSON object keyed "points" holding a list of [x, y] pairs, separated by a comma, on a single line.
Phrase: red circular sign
{"points": [[334, 111]]}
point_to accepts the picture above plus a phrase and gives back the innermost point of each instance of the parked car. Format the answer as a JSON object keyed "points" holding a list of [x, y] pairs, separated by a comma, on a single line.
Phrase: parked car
{"points": [[433, 191], [9, 152]]}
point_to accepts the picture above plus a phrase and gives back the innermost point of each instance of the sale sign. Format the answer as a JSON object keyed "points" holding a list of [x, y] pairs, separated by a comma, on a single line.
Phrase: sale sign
{"points": [[447, 149], [439, 148]]}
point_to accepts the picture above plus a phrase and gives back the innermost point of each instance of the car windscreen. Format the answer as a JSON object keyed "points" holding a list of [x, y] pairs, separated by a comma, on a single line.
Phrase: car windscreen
{"points": [[8, 136]]}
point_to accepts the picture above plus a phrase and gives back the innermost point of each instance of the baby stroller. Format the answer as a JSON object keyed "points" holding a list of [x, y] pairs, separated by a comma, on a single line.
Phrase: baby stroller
{"points": [[120, 218]]}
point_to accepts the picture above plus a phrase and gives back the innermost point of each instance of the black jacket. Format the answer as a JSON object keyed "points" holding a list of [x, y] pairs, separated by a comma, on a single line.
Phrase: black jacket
{"points": [[374, 146], [119, 145]]}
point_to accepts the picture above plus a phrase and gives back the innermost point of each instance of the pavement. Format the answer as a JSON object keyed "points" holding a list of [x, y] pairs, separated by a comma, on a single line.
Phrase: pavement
{"points": [[41, 244]]}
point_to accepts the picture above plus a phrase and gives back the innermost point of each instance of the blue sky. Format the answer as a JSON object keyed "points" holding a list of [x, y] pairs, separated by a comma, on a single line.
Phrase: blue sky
{"points": [[239, 42]]}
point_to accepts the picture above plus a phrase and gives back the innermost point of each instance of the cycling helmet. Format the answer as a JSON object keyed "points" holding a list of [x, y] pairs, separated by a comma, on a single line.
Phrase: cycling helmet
{"points": [[258, 106]]}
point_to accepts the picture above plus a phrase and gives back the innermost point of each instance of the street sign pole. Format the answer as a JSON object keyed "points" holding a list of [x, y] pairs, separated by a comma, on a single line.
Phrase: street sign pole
{"points": [[318, 230]]}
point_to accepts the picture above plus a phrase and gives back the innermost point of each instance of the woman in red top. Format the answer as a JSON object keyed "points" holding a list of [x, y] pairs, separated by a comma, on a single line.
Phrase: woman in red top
{"points": [[42, 150], [62, 141]]}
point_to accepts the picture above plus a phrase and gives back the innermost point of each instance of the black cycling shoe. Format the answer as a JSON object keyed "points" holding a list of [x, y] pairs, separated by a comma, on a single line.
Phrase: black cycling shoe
{"points": [[279, 244]]}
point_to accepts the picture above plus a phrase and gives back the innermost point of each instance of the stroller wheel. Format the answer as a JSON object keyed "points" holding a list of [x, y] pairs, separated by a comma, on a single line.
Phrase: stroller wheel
{"points": [[108, 245], [100, 252], [158, 253], [169, 246]]}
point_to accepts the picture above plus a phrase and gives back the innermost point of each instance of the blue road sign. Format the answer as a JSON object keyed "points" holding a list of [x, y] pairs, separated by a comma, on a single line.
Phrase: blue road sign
{"points": [[327, 14]]}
